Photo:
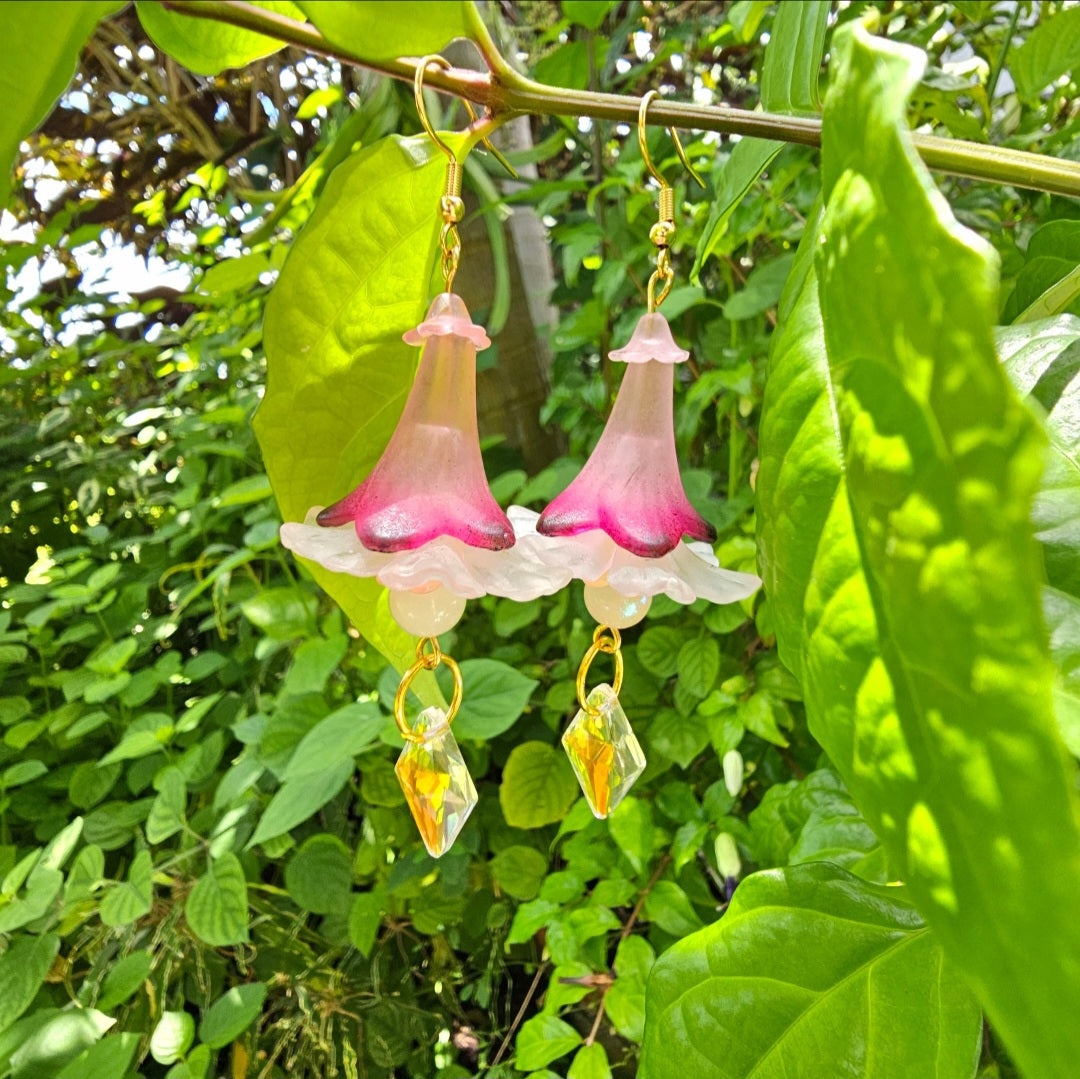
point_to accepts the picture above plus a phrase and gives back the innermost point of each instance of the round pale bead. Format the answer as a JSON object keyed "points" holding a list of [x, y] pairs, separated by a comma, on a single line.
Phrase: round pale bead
{"points": [[612, 608], [428, 613]]}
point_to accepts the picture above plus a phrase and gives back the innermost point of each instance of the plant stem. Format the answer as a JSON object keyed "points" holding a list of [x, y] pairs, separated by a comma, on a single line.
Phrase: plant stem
{"points": [[504, 92], [999, 64]]}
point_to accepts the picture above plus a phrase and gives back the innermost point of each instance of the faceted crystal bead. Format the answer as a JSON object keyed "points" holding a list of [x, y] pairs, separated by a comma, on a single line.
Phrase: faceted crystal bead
{"points": [[436, 783], [604, 751]]}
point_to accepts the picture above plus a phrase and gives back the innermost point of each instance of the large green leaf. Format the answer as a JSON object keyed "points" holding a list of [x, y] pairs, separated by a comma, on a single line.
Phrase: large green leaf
{"points": [[1051, 50], [318, 877], [231, 1014], [389, 28], [896, 483], [337, 370], [22, 970], [207, 46], [495, 695], [811, 971], [537, 787], [789, 83], [299, 798], [217, 908], [1043, 363], [39, 51]]}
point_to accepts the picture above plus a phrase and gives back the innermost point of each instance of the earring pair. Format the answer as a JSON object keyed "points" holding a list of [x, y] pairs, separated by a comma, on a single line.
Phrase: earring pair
{"points": [[425, 524]]}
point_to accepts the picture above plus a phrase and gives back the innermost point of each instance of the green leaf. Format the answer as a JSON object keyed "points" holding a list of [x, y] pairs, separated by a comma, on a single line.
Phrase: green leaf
{"points": [[281, 613], [124, 979], [658, 650], [538, 786], [677, 737], [38, 55], [1062, 613], [389, 28], [495, 695], [230, 1015], [111, 1058], [337, 738], [365, 919], [760, 713], [167, 813], [1042, 361], [319, 875], [314, 663], [300, 798], [699, 664], [791, 71], [207, 46], [590, 1062], [196, 1066], [631, 826], [57, 1042], [217, 908], [669, 906], [1051, 50], [813, 819], [625, 1000], [519, 871], [129, 900], [587, 13], [896, 483], [355, 279], [22, 971], [810, 964], [789, 84], [542, 1039], [172, 1036]]}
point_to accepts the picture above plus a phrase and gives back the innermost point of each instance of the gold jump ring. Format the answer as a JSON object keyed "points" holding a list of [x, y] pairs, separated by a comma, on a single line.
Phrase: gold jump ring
{"points": [[426, 661], [612, 645]]}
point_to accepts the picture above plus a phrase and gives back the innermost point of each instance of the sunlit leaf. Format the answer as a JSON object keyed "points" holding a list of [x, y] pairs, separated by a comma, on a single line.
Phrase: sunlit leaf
{"points": [[810, 964], [896, 483]]}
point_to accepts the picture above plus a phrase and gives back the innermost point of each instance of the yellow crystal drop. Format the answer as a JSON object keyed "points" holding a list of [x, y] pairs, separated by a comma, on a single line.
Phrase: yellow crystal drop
{"points": [[603, 751], [436, 782]]}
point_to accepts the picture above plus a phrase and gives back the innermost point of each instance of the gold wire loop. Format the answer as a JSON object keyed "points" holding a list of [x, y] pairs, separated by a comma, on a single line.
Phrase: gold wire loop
{"points": [[605, 639], [660, 234], [451, 207], [426, 661], [643, 111]]}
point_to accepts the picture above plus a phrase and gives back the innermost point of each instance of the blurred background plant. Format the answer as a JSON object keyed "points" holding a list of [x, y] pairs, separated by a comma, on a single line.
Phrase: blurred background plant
{"points": [[196, 787]]}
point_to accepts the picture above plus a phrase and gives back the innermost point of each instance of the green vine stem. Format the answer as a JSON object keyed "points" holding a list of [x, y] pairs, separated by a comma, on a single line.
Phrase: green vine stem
{"points": [[505, 93]]}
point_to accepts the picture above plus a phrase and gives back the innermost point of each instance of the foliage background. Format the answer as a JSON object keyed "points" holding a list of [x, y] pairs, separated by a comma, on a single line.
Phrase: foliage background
{"points": [[207, 865]]}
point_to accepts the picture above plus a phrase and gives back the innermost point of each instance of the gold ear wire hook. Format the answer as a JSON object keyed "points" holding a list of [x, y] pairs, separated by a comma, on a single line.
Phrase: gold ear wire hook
{"points": [[450, 205], [664, 229], [418, 96], [643, 111]]}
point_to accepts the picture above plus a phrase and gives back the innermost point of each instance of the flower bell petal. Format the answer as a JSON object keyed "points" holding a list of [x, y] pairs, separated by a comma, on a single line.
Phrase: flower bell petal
{"points": [[630, 486], [469, 572], [430, 479], [690, 571]]}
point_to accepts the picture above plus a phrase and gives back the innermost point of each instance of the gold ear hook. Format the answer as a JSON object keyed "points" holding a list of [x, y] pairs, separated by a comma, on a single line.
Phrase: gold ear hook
{"points": [[664, 229], [450, 205], [643, 111], [418, 96]]}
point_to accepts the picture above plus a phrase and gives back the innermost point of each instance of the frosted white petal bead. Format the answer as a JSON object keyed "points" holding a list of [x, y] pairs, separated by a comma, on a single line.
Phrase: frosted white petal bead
{"points": [[612, 608], [426, 614]]}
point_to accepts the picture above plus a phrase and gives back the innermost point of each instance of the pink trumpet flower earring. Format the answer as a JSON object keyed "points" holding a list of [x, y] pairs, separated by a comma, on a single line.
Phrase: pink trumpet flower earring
{"points": [[425, 524], [620, 525]]}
